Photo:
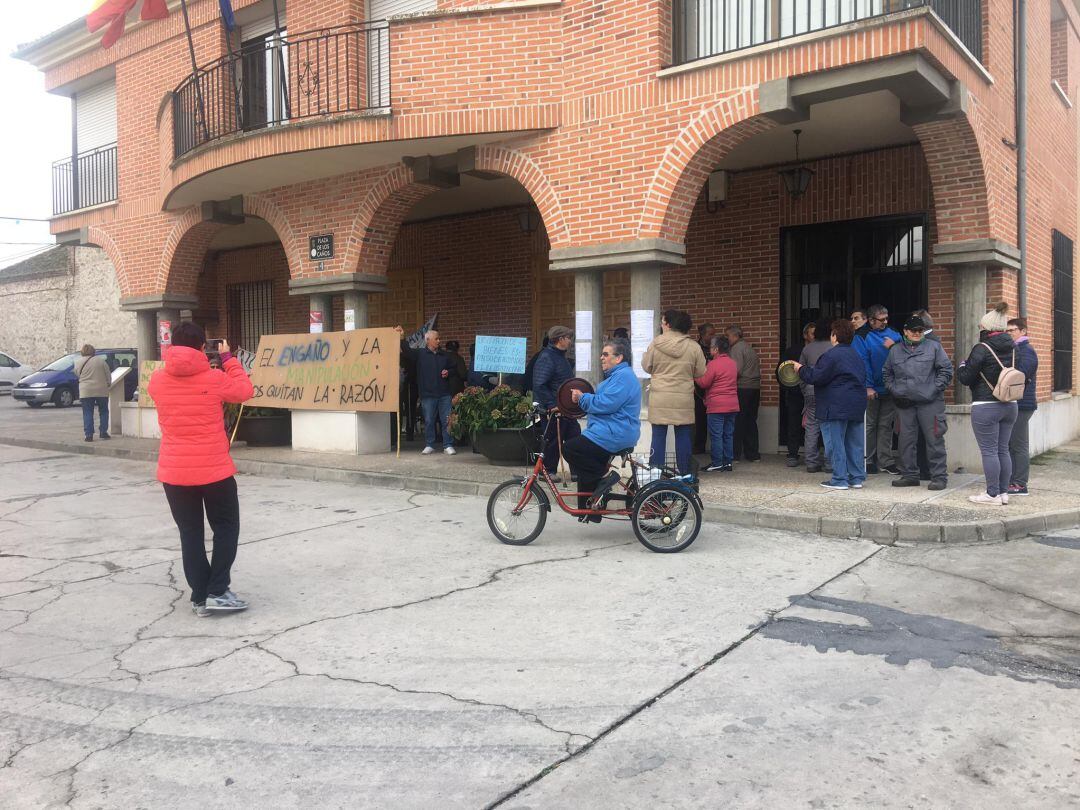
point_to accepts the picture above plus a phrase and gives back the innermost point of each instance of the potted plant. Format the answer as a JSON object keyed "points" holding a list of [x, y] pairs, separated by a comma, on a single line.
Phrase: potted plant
{"points": [[262, 427], [497, 421]]}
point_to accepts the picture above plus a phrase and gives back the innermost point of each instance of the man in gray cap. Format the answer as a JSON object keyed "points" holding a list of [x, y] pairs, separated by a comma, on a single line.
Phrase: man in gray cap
{"points": [[552, 369]]}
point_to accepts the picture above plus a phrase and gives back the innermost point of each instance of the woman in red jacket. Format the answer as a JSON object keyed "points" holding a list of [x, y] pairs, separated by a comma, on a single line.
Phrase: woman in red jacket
{"points": [[721, 403], [194, 464]]}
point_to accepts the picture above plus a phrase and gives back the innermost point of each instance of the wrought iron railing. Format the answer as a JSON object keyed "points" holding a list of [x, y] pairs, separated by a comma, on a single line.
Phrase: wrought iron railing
{"points": [[87, 179], [281, 79], [703, 28]]}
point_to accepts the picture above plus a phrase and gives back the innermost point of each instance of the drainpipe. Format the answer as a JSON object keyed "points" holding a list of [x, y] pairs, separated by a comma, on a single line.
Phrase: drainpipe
{"points": [[1021, 153]]}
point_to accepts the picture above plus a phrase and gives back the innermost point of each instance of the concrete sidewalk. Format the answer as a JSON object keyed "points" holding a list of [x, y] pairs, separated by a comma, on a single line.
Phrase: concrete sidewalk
{"points": [[766, 493]]}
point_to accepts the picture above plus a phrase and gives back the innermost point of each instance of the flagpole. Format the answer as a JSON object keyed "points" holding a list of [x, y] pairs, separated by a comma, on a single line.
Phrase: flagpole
{"points": [[195, 69], [281, 61]]}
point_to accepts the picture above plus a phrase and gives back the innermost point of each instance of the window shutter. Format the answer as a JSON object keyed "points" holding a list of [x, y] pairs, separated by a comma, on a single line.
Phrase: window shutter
{"points": [[95, 116], [382, 9]]}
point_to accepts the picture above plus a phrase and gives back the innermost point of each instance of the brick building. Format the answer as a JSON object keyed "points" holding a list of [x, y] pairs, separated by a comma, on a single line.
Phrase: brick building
{"points": [[508, 163]]}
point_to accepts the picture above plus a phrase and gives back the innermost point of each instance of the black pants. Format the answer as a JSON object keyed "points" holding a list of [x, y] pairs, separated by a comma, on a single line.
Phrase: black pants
{"points": [[793, 429], [746, 434], [223, 513], [568, 429], [701, 423], [589, 462]]}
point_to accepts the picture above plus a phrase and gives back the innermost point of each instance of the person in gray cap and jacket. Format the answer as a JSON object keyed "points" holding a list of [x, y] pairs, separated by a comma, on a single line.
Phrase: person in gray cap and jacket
{"points": [[551, 370], [916, 372]]}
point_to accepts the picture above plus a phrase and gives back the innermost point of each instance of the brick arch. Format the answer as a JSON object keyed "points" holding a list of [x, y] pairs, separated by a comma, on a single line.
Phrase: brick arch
{"points": [[378, 219], [97, 235], [690, 158], [963, 200], [184, 252], [256, 206]]}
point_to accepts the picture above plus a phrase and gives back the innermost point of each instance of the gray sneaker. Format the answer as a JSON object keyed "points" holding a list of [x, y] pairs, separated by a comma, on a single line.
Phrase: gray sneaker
{"points": [[199, 609], [227, 601]]}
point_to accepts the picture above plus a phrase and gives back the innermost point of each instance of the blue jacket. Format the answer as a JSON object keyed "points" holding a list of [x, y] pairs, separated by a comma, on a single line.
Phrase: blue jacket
{"points": [[871, 348], [614, 410], [839, 385], [429, 368], [1028, 362], [551, 370]]}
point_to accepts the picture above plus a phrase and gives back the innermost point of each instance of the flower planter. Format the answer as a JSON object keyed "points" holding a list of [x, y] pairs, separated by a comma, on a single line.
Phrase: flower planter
{"points": [[508, 447], [266, 431]]}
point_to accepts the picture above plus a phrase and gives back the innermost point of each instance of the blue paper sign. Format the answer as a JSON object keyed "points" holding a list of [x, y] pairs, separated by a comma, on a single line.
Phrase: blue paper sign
{"points": [[505, 355]]}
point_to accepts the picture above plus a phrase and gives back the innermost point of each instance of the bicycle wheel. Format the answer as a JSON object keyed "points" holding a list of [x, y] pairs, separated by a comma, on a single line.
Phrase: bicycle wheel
{"points": [[520, 528], [666, 520]]}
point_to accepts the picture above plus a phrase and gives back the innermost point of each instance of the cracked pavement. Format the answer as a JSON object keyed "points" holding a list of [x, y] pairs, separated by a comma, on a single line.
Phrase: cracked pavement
{"points": [[397, 655]]}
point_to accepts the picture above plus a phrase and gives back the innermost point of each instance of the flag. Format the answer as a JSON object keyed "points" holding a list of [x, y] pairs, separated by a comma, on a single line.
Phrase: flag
{"points": [[227, 14], [416, 339], [113, 13]]}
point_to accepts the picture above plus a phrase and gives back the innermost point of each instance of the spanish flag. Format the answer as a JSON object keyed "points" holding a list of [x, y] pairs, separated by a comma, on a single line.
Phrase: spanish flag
{"points": [[112, 13]]}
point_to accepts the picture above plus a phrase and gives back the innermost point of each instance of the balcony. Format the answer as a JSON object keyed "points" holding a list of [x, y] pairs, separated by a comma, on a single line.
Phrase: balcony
{"points": [[704, 28], [86, 180], [284, 79]]}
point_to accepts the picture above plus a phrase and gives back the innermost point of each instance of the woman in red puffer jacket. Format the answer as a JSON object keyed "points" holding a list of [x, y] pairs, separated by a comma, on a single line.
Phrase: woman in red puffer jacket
{"points": [[194, 464]]}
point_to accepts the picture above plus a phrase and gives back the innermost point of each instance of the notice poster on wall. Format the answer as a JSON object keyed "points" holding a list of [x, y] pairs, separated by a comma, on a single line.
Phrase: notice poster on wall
{"points": [[350, 320], [334, 371], [146, 368], [583, 321], [642, 327], [505, 355], [583, 356], [315, 321]]}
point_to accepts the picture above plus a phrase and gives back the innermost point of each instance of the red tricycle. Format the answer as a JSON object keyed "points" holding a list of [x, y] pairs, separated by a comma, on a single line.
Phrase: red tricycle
{"points": [[663, 507]]}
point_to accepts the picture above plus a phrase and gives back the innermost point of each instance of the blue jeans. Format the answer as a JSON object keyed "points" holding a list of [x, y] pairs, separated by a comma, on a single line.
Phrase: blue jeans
{"points": [[845, 443], [684, 445], [88, 404], [722, 437], [436, 407]]}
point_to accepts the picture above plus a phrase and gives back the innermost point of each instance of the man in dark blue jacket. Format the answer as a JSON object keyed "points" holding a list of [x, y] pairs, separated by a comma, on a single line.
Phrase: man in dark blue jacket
{"points": [[873, 347], [433, 370], [550, 371], [1019, 447]]}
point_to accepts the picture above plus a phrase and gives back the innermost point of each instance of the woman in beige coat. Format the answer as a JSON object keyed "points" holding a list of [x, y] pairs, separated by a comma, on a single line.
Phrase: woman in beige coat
{"points": [[674, 360]]}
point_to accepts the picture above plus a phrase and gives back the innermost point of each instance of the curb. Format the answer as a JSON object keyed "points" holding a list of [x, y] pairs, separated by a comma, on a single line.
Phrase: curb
{"points": [[885, 533]]}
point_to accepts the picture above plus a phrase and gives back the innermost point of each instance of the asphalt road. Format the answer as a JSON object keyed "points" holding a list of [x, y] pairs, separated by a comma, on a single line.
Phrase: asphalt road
{"points": [[396, 655]]}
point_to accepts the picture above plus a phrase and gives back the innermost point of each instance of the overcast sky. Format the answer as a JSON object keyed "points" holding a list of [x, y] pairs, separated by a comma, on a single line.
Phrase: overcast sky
{"points": [[37, 129]]}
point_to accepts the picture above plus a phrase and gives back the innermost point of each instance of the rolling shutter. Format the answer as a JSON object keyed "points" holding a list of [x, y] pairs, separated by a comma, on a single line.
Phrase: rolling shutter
{"points": [[382, 9], [95, 116]]}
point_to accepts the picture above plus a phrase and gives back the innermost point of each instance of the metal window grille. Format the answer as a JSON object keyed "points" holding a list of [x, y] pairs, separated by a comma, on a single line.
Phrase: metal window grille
{"points": [[251, 313], [1063, 312]]}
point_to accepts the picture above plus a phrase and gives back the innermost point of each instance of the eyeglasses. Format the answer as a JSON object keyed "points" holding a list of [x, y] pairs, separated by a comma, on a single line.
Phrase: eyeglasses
{"points": [[606, 354], [881, 320]]}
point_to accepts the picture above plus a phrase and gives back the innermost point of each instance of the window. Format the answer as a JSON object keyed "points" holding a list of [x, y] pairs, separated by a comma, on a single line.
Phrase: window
{"points": [[1063, 312], [7, 362], [251, 313], [1059, 47]]}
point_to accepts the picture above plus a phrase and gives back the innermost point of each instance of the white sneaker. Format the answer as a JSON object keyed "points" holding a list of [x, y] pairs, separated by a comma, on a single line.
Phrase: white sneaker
{"points": [[450, 451], [1004, 497], [427, 451], [985, 498]]}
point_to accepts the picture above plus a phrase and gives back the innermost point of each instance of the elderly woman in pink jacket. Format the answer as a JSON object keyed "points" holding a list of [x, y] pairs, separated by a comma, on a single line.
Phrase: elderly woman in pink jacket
{"points": [[721, 403]]}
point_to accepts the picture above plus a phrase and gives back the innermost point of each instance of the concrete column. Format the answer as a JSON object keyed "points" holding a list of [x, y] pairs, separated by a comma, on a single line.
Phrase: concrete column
{"points": [[357, 301], [173, 318], [645, 296], [321, 303], [146, 335], [589, 297], [970, 281]]}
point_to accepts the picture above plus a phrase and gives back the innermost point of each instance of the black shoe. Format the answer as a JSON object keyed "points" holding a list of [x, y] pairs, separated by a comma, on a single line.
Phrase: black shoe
{"points": [[105, 436], [603, 487], [872, 469], [815, 469], [88, 439], [937, 486], [893, 470], [729, 468], [792, 461], [905, 482]]}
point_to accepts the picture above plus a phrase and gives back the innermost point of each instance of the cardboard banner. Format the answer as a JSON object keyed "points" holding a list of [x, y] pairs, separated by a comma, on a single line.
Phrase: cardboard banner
{"points": [[334, 371], [146, 368]]}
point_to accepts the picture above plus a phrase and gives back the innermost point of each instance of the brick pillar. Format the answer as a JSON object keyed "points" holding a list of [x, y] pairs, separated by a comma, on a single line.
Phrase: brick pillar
{"points": [[589, 298]]}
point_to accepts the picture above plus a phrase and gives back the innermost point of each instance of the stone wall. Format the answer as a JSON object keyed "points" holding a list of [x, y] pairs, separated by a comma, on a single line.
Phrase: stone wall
{"points": [[55, 302]]}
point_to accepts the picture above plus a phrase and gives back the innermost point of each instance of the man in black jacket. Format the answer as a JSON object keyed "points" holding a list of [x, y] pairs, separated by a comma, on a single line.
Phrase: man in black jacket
{"points": [[433, 370], [550, 371]]}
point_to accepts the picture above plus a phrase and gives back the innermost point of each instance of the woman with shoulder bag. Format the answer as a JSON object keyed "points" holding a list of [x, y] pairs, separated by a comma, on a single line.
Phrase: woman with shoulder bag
{"points": [[992, 418]]}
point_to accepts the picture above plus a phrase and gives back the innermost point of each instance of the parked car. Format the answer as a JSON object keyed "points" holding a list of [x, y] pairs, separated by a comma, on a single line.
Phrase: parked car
{"points": [[58, 383], [11, 371]]}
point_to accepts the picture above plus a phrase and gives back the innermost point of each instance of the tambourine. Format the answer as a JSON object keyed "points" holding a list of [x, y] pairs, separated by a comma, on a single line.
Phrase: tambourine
{"points": [[787, 374], [565, 398]]}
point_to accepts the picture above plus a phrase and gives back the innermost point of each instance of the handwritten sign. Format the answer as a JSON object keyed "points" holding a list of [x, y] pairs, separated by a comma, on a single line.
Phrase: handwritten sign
{"points": [[246, 358], [333, 371], [505, 355], [146, 368]]}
